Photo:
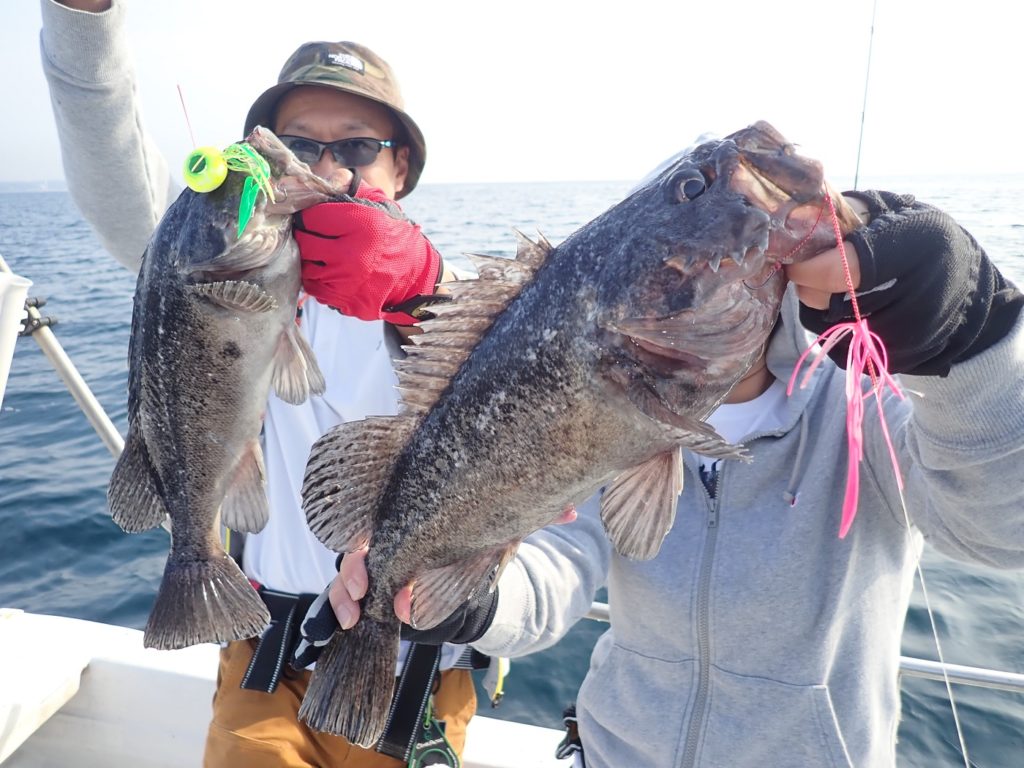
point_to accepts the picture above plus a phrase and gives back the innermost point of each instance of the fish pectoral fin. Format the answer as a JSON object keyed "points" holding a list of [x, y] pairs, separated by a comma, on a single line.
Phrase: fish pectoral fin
{"points": [[133, 496], [639, 506], [236, 295], [245, 507], [439, 592], [296, 374], [345, 476]]}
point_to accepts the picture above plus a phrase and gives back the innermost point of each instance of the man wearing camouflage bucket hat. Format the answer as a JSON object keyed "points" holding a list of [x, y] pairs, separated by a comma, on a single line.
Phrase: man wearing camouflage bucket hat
{"points": [[350, 68], [338, 107]]}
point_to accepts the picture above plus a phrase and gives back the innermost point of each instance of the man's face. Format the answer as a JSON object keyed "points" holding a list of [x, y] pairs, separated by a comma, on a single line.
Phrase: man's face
{"points": [[327, 115]]}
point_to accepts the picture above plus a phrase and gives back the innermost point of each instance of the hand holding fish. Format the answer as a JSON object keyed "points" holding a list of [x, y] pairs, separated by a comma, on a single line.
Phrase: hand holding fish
{"points": [[351, 584], [403, 599], [295, 193], [930, 291], [362, 256], [820, 277], [338, 607]]}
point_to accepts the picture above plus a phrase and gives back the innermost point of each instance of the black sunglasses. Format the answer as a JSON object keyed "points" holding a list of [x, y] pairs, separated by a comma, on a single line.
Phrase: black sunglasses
{"points": [[349, 153]]}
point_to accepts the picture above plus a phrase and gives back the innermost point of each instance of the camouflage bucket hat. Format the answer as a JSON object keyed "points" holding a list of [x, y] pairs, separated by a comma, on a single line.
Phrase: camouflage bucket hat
{"points": [[351, 68]]}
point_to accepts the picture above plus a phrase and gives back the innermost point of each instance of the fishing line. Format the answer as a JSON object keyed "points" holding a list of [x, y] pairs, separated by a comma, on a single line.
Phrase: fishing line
{"points": [[876, 388], [866, 351], [184, 109], [938, 645]]}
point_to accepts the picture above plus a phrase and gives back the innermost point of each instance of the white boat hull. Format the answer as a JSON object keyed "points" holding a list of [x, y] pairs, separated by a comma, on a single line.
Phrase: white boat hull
{"points": [[80, 693]]}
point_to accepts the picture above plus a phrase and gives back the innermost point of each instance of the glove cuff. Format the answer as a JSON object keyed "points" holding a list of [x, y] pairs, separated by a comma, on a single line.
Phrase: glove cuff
{"points": [[479, 621], [467, 625], [413, 308]]}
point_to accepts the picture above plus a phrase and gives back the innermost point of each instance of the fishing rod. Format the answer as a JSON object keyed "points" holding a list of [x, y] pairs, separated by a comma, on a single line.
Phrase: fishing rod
{"points": [[864, 104]]}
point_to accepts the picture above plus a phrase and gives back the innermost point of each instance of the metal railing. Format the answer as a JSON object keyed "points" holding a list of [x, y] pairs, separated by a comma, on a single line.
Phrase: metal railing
{"points": [[909, 666], [914, 667], [72, 379]]}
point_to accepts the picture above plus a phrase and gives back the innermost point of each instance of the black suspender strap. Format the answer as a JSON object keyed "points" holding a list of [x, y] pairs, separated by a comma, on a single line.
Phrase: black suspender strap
{"points": [[409, 735], [412, 695], [277, 641]]}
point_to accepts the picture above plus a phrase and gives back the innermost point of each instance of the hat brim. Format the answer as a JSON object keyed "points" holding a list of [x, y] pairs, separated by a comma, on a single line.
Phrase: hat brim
{"points": [[262, 112]]}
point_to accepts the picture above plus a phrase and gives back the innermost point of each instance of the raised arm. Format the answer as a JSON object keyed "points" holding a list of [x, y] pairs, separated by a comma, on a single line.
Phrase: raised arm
{"points": [[116, 175], [952, 325]]}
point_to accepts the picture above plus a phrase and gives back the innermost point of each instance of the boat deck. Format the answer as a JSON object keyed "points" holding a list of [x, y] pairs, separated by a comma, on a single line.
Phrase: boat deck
{"points": [[87, 694]]}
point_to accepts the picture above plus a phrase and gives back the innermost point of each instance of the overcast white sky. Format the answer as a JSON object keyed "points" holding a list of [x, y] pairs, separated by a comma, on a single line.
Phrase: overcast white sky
{"points": [[566, 90]]}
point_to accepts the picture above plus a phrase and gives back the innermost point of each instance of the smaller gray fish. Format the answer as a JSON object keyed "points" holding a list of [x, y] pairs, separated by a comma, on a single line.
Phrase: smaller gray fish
{"points": [[213, 329]]}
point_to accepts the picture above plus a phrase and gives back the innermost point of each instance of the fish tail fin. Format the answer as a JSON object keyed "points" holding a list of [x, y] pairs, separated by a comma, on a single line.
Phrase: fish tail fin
{"points": [[350, 691], [203, 601]]}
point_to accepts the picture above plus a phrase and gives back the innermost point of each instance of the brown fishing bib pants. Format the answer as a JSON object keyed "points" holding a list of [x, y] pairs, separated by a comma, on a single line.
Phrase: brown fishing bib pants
{"points": [[262, 730]]}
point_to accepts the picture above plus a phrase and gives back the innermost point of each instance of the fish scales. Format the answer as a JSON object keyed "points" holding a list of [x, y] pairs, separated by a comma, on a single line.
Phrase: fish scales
{"points": [[213, 329], [606, 357]]}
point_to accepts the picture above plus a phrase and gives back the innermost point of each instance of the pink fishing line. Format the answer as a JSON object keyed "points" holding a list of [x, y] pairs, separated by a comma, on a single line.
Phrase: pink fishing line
{"points": [[866, 354]]}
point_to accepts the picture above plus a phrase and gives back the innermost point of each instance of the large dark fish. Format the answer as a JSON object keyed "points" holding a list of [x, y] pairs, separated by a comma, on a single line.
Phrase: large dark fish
{"points": [[213, 329], [552, 375]]}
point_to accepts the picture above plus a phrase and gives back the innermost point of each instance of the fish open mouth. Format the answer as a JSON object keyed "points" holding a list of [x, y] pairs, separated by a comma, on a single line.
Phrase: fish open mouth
{"points": [[794, 192]]}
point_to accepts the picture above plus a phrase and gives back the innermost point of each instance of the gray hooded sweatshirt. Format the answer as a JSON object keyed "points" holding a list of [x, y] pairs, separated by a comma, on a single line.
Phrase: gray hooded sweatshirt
{"points": [[758, 637]]}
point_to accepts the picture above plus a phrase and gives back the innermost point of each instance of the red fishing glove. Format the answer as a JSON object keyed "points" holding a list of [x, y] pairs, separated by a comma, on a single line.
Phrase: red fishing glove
{"points": [[364, 257]]}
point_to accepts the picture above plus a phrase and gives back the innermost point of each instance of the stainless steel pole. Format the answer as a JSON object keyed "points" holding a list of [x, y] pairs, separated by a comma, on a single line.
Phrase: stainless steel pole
{"points": [[74, 382]]}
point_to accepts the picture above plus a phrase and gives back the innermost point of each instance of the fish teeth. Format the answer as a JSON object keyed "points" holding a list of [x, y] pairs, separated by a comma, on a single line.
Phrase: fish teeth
{"points": [[715, 262]]}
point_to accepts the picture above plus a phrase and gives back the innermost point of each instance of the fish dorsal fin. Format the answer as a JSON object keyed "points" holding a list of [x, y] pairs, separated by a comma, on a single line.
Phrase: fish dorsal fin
{"points": [[245, 507], [530, 252], [132, 494], [437, 593], [296, 374], [345, 476], [639, 506], [449, 337], [238, 295]]}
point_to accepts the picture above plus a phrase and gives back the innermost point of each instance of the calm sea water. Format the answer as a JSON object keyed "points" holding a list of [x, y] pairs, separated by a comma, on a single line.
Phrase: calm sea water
{"points": [[60, 553]]}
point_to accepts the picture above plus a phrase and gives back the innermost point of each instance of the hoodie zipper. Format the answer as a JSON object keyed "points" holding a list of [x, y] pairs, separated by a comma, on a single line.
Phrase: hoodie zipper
{"points": [[703, 625]]}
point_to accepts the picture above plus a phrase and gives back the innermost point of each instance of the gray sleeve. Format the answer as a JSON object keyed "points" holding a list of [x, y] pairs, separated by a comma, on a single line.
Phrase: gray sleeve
{"points": [[116, 176], [962, 455], [549, 585]]}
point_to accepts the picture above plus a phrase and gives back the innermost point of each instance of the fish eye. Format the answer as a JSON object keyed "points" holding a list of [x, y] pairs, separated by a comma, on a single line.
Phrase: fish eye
{"points": [[686, 185]]}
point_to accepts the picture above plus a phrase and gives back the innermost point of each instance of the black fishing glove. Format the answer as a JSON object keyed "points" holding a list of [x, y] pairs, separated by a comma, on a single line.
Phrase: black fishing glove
{"points": [[466, 624], [929, 291]]}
